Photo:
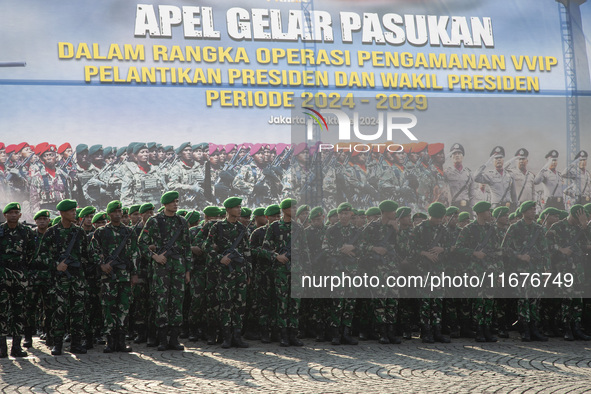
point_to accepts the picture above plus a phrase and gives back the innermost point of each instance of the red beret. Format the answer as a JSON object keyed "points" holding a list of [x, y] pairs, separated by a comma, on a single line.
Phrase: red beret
{"points": [[228, 148], [1, 145], [255, 148], [44, 147], [10, 148], [435, 148], [271, 146], [299, 148], [279, 148], [213, 148], [20, 147], [419, 147], [63, 147]]}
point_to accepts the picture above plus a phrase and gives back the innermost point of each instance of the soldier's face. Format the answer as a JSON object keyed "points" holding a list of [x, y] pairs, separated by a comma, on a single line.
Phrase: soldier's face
{"points": [[67, 153], [187, 154], [499, 161], [69, 216], [116, 216], [418, 220], [553, 164], [172, 206], [583, 164], [503, 220], [135, 217], [214, 158], [3, 156], [169, 155], [463, 224], [318, 221], [345, 217], [143, 155], [303, 156], [333, 219], [49, 158], [435, 221], [522, 163], [153, 155], [405, 221], [259, 157], [27, 151], [530, 214], [267, 155], [97, 157], [551, 220], [86, 221], [453, 221], [399, 157], [147, 215], [161, 154], [42, 222], [244, 220], [222, 157], [234, 212], [82, 157], [457, 157], [273, 218], [439, 158], [260, 220], [12, 216], [287, 212], [361, 158], [99, 223], [414, 157]]}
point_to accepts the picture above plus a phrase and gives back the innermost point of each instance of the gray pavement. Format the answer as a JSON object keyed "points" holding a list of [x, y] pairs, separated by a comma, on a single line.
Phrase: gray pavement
{"points": [[508, 366]]}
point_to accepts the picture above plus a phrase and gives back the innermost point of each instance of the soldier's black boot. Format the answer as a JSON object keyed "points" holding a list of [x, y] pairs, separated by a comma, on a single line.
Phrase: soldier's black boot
{"points": [[568, 333], [336, 336], [364, 332], [76, 346], [503, 332], [488, 334], [193, 333], [535, 334], [320, 335], [394, 340], [173, 342], [237, 339], [426, 334], [227, 335], [141, 334], [121, 345], [58, 343], [110, 347], [578, 332], [162, 339], [152, 340], [211, 335], [88, 342], [28, 337], [3, 348], [265, 335], [480, 334], [284, 341], [67, 338], [17, 350], [293, 337], [383, 333], [525, 333], [406, 331], [347, 338], [438, 336]]}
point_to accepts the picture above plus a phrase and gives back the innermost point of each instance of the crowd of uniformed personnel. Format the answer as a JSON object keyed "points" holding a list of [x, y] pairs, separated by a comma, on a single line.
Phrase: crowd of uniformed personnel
{"points": [[224, 273]]}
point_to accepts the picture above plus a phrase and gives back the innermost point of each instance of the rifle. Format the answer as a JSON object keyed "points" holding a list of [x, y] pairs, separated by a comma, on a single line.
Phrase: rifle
{"points": [[67, 259], [528, 247], [69, 160], [480, 247], [286, 249], [168, 249], [113, 260], [19, 166], [231, 252], [391, 251]]}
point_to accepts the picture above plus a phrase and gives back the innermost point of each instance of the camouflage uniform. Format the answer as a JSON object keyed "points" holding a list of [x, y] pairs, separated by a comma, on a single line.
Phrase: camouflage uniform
{"points": [[355, 184], [407, 307], [167, 287], [137, 186], [318, 306], [188, 181], [48, 189], [258, 186], [17, 247], [115, 287], [392, 184], [198, 308], [212, 277]]}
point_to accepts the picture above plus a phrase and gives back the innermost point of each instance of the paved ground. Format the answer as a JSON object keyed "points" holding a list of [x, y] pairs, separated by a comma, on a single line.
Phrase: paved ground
{"points": [[463, 366]]}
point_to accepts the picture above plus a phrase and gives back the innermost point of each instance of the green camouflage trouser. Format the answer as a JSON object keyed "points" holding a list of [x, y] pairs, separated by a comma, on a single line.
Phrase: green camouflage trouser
{"points": [[572, 310], [69, 299], [341, 312], [483, 311], [385, 310], [198, 312], [407, 311], [212, 279], [267, 297], [13, 286], [141, 301], [430, 311], [115, 297], [93, 322], [231, 295], [167, 293], [527, 309], [39, 295], [287, 307]]}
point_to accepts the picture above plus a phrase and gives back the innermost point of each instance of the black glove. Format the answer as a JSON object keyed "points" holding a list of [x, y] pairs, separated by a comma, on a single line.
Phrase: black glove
{"points": [[413, 182], [260, 189], [226, 177]]}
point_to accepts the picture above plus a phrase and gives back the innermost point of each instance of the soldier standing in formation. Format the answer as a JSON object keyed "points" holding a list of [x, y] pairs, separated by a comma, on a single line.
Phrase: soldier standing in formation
{"points": [[502, 185], [552, 181]]}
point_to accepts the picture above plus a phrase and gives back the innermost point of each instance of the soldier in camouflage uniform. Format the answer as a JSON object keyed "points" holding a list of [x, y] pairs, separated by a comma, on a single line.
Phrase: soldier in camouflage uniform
{"points": [[480, 243], [67, 251], [197, 306], [391, 178], [503, 307], [438, 187], [429, 247], [49, 185], [566, 240], [285, 239], [455, 310], [257, 184], [17, 246], [229, 251], [354, 181], [419, 175], [140, 182], [187, 177], [165, 238], [526, 249], [339, 246], [252, 330], [114, 250], [407, 306], [378, 247]]}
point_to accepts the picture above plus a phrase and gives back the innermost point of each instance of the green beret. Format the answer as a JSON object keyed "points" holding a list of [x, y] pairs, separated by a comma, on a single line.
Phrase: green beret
{"points": [[161, 209], [331, 213], [81, 148], [361, 212], [451, 210], [436, 210], [272, 210], [563, 214], [232, 202], [344, 206], [302, 208], [113, 205], [373, 211], [259, 212], [587, 208], [56, 220], [10, 206], [193, 217], [78, 210], [99, 216], [527, 205], [169, 197], [512, 216], [182, 212], [151, 146], [130, 147], [402, 212], [463, 216], [388, 206], [500, 211], [419, 215], [518, 212], [211, 211], [287, 203], [182, 146], [138, 146], [551, 211], [245, 212], [125, 210], [574, 210], [146, 207], [66, 205], [41, 214], [481, 206], [89, 210], [108, 150], [221, 211], [355, 212], [134, 208], [95, 148], [121, 151], [315, 212]]}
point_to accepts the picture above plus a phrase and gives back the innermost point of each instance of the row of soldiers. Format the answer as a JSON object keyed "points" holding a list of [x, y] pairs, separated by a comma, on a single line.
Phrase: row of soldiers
{"points": [[415, 175], [231, 272]]}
